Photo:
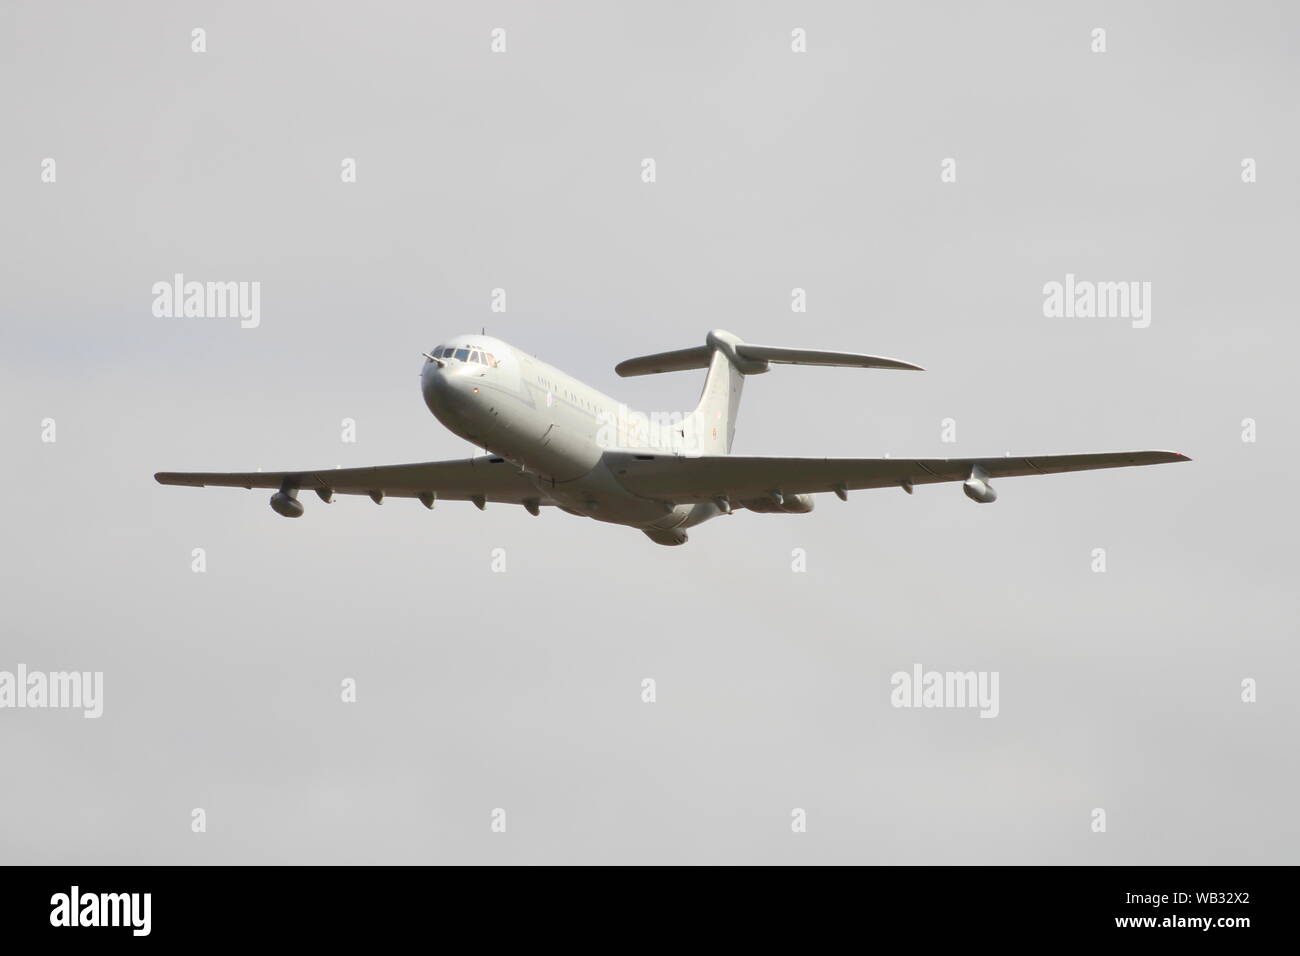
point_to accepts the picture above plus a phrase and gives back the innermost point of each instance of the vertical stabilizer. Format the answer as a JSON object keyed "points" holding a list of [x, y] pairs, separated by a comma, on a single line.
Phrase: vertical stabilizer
{"points": [[714, 419]]}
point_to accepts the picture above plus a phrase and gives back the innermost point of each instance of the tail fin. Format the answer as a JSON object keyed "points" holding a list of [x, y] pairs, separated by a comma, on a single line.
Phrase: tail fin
{"points": [[714, 417], [729, 360]]}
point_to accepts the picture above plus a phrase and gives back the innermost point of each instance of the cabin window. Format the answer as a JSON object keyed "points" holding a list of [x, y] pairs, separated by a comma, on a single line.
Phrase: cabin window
{"points": [[462, 355]]}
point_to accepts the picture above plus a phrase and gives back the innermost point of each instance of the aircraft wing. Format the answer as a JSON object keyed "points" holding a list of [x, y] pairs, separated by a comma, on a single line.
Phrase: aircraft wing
{"points": [[488, 478], [740, 478]]}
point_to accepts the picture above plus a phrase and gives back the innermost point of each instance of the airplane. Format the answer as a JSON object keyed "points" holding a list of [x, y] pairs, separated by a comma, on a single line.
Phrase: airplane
{"points": [[553, 441]]}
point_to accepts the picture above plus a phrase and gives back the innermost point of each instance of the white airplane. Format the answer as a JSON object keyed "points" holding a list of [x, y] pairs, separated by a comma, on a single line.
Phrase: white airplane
{"points": [[557, 442]]}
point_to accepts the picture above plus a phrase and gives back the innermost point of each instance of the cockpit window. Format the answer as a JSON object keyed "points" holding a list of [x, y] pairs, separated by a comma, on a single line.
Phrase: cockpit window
{"points": [[476, 356]]}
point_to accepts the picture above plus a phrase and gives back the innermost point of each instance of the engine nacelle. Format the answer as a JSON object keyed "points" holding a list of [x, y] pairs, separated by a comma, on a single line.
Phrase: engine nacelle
{"points": [[286, 503], [978, 489], [668, 536]]}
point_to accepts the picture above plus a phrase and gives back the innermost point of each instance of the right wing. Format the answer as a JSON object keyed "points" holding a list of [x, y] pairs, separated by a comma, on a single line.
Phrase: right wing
{"points": [[739, 478], [486, 478]]}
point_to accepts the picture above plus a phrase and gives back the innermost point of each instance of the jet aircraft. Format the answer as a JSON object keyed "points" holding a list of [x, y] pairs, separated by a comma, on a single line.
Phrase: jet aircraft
{"points": [[553, 441]]}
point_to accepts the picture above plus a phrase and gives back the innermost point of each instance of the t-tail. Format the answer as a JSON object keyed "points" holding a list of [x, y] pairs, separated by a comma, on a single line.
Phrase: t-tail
{"points": [[712, 426]]}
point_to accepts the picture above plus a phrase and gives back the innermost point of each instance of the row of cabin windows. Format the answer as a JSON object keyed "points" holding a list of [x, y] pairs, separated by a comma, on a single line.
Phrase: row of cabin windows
{"points": [[571, 396], [475, 356]]}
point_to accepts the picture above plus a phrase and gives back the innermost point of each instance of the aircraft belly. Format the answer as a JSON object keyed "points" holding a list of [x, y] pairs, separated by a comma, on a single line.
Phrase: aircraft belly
{"points": [[599, 495]]}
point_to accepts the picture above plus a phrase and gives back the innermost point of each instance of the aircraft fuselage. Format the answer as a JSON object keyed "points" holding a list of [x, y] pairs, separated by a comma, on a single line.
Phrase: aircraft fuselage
{"points": [[550, 425]]}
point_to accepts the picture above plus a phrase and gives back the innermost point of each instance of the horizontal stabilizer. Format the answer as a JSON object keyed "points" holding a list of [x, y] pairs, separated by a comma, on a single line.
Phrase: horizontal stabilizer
{"points": [[751, 359], [680, 361], [783, 356]]}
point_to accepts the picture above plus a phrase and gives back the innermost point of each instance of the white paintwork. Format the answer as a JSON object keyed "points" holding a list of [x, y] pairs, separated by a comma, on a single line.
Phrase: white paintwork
{"points": [[559, 442]]}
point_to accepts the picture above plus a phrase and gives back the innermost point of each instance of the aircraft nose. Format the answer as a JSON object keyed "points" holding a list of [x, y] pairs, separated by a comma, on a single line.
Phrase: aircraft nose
{"points": [[446, 388]]}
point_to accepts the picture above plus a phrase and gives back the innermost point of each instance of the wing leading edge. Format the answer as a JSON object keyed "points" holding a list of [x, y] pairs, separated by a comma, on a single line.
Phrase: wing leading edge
{"points": [[469, 479]]}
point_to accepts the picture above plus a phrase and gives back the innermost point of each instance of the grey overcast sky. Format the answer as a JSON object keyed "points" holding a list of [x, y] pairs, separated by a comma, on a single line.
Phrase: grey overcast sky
{"points": [[775, 170]]}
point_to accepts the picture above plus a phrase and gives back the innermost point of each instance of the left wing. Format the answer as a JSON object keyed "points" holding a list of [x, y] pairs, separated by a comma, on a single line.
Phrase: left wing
{"points": [[471, 479], [740, 479]]}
